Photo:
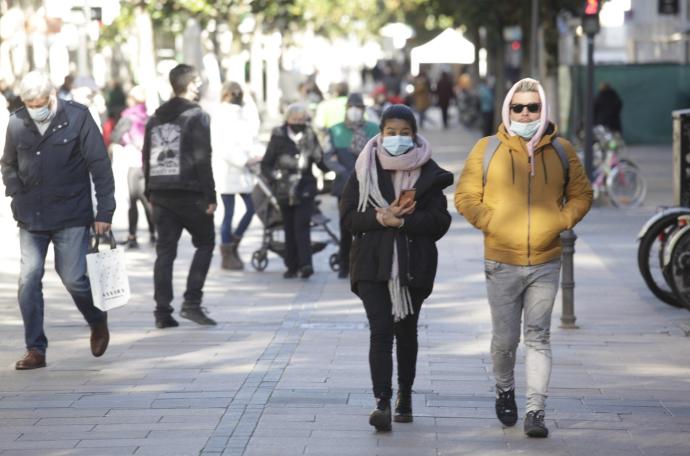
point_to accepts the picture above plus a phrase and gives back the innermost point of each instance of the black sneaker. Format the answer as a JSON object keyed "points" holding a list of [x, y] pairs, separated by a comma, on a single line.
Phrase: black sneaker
{"points": [[305, 272], [197, 315], [166, 322], [380, 418], [132, 243], [290, 274], [506, 408], [534, 424]]}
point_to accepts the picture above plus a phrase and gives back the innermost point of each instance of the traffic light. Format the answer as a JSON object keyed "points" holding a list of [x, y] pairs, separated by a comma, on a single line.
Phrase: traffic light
{"points": [[591, 7], [590, 20]]}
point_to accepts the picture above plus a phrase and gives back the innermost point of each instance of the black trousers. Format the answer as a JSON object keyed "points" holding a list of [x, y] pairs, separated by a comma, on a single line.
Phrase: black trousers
{"points": [[170, 220], [377, 303], [296, 224]]}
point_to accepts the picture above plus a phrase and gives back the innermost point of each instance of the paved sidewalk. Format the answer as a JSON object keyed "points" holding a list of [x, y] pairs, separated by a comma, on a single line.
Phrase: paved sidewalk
{"points": [[286, 373]]}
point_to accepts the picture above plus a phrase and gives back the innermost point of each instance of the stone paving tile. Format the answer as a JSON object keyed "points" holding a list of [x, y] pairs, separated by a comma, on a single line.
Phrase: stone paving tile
{"points": [[285, 372]]}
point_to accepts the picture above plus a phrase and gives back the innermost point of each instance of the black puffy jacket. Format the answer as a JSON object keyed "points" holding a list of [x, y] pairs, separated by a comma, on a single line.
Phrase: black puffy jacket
{"points": [[371, 255]]}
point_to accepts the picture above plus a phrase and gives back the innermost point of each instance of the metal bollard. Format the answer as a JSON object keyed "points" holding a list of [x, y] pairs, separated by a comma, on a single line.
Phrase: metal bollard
{"points": [[568, 239]]}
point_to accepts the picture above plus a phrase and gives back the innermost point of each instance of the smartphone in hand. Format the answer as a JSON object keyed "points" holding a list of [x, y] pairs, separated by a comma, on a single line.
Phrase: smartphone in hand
{"points": [[407, 197]]}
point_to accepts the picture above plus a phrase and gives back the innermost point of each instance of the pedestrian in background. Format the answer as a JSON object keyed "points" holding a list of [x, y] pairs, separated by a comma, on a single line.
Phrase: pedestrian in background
{"points": [[345, 141], [522, 202], [287, 166], [129, 132], [607, 108], [180, 186], [232, 138], [445, 92], [394, 258], [52, 153], [486, 106], [421, 97]]}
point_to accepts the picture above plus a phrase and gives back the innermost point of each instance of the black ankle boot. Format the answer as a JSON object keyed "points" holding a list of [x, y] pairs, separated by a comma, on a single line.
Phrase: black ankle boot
{"points": [[403, 406], [380, 418]]}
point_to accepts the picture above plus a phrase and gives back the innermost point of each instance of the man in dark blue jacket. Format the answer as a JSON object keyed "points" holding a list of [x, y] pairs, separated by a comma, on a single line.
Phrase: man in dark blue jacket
{"points": [[180, 187], [52, 148]]}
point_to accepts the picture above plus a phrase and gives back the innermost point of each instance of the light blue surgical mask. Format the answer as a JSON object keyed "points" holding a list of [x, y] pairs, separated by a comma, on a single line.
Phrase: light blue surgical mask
{"points": [[525, 129], [40, 114], [397, 145]]}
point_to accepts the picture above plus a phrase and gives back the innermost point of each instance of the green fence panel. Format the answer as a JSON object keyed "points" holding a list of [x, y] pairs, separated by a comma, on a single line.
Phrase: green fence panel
{"points": [[650, 92]]}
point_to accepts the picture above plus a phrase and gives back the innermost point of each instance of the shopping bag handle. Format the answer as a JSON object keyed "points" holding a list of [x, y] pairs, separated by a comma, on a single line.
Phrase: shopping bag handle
{"points": [[95, 239]]}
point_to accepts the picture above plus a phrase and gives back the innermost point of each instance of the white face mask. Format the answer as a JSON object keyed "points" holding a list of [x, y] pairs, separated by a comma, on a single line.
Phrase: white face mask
{"points": [[525, 129], [354, 114]]}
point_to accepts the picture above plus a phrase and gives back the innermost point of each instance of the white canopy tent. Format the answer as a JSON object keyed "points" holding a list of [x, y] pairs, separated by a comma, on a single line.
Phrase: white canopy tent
{"points": [[448, 47]]}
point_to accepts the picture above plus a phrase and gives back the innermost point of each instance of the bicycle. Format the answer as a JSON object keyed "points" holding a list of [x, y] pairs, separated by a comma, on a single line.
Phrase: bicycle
{"points": [[617, 178], [654, 242], [677, 263]]}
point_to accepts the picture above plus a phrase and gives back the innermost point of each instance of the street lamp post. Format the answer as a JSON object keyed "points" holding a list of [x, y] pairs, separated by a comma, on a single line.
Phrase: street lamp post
{"points": [[590, 25]]}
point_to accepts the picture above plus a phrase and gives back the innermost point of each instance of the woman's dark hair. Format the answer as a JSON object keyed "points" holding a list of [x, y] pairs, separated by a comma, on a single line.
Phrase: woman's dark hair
{"points": [[232, 92], [399, 111], [180, 77]]}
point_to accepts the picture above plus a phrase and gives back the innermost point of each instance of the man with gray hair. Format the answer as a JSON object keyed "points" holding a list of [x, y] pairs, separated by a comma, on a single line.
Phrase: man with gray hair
{"points": [[52, 148]]}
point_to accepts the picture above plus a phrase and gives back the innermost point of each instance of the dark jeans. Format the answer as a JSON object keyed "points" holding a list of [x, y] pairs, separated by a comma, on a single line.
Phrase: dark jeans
{"points": [[377, 303], [488, 127], [135, 183], [170, 220], [444, 113], [226, 226], [70, 246], [296, 220]]}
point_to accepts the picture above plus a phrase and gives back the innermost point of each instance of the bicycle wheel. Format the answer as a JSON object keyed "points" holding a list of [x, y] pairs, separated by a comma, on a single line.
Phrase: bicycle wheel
{"points": [[650, 253], [625, 186], [677, 265]]}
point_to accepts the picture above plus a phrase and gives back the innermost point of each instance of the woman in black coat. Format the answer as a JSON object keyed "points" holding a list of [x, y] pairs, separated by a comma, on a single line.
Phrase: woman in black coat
{"points": [[394, 258], [287, 166]]}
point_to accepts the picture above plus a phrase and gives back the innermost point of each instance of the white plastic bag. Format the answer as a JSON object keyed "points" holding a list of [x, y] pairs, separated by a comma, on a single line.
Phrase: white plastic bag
{"points": [[108, 275]]}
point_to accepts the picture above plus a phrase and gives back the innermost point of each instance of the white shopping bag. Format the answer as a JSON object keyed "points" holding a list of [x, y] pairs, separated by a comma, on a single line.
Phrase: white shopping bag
{"points": [[108, 275]]}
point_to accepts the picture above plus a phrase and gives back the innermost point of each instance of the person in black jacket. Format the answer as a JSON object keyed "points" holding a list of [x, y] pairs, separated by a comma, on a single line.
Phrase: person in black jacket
{"points": [[53, 150], [607, 108], [393, 258], [180, 187], [287, 166]]}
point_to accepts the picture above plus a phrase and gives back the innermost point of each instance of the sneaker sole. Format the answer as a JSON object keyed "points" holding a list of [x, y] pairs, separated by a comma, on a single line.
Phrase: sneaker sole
{"points": [[537, 433], [510, 422], [202, 323], [403, 418]]}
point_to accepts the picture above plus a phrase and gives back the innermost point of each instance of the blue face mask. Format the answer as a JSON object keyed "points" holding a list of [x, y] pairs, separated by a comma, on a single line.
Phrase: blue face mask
{"points": [[397, 145], [525, 129]]}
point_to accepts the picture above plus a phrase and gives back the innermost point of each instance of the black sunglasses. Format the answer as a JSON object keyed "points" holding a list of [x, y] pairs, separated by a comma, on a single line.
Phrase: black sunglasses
{"points": [[531, 107]]}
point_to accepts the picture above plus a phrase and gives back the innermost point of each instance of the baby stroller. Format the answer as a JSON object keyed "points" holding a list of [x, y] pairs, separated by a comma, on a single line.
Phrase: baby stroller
{"points": [[268, 211]]}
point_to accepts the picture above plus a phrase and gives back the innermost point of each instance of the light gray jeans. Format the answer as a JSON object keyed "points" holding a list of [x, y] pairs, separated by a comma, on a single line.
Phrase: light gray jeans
{"points": [[513, 290]]}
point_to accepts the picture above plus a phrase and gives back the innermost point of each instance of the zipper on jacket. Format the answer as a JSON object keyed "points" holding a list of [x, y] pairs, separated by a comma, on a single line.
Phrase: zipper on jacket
{"points": [[529, 209]]}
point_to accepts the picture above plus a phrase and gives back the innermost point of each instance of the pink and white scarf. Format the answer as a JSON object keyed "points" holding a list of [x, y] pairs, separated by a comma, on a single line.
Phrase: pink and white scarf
{"points": [[405, 169]]}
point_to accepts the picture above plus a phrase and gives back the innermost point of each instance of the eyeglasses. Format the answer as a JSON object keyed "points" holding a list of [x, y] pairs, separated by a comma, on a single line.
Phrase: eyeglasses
{"points": [[531, 107]]}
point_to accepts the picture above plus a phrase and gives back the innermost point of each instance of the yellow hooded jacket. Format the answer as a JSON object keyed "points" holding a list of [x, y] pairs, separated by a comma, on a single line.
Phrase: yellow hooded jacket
{"points": [[522, 216]]}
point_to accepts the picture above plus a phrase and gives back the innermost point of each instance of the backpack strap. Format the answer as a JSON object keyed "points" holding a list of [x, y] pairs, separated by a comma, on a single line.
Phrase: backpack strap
{"points": [[489, 151], [563, 155]]}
